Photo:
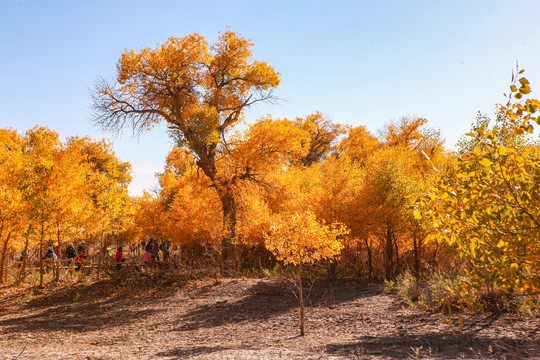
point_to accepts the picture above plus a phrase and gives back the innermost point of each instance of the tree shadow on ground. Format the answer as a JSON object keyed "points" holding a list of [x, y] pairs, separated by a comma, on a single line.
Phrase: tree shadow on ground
{"points": [[85, 307], [436, 346], [140, 286], [265, 300], [187, 353]]}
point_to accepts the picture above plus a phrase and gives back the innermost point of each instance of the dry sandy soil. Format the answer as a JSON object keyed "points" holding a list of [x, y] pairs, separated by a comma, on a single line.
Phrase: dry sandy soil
{"points": [[243, 319]]}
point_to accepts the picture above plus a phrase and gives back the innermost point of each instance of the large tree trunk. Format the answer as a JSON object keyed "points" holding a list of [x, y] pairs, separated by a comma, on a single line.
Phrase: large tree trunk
{"points": [[229, 225], [228, 202]]}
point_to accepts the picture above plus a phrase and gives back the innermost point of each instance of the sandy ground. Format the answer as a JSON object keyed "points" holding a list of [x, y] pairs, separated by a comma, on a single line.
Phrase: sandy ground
{"points": [[244, 319]]}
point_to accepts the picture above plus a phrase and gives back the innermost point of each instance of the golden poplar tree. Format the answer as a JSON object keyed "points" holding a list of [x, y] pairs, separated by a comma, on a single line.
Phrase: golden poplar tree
{"points": [[300, 239], [199, 90]]}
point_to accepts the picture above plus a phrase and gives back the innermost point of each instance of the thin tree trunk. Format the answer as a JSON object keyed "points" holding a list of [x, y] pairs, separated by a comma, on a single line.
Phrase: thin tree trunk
{"points": [[41, 256], [389, 253], [433, 261], [301, 299], [25, 252], [370, 261], [357, 260], [331, 268], [394, 237], [416, 259], [59, 255], [100, 255], [3, 259]]}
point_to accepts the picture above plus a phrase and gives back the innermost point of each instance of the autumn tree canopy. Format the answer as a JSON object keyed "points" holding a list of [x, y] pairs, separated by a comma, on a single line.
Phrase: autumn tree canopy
{"points": [[199, 90], [53, 190]]}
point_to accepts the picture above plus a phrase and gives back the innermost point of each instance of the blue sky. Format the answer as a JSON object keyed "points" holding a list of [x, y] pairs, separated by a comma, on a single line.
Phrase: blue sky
{"points": [[358, 62]]}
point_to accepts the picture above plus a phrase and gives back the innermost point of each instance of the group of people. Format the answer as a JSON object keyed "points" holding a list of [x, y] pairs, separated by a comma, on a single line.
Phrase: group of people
{"points": [[77, 254], [151, 252]]}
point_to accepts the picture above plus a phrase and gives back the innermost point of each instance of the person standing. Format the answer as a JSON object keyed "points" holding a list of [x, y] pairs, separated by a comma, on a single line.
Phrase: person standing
{"points": [[50, 253], [147, 259], [119, 257], [155, 252], [166, 251]]}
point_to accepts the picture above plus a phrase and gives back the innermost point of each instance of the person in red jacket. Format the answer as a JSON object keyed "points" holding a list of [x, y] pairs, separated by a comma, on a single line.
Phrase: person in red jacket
{"points": [[119, 258], [79, 260], [147, 260]]}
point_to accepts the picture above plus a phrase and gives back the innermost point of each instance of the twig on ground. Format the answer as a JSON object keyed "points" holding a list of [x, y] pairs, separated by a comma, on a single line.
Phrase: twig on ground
{"points": [[24, 348]]}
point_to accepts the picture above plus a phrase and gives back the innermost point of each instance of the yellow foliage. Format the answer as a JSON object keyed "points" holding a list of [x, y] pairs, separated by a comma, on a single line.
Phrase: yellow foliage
{"points": [[300, 238], [359, 144], [486, 205], [71, 189]]}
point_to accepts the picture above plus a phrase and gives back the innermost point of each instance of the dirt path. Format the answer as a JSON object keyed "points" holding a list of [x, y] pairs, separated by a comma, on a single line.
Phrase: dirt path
{"points": [[245, 319]]}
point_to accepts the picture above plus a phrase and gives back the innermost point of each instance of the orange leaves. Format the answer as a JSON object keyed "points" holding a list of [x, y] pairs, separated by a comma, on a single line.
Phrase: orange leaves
{"points": [[359, 144], [524, 112], [162, 79], [231, 54], [72, 186], [405, 132], [321, 134], [187, 210], [202, 90], [269, 143], [263, 75], [179, 161], [12, 204], [300, 238], [177, 59], [185, 77]]}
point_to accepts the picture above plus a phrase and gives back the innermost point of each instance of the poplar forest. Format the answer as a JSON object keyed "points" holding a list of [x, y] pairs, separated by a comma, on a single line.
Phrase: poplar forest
{"points": [[268, 238]]}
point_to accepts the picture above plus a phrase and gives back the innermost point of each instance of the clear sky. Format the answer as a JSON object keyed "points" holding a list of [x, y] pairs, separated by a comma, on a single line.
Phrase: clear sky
{"points": [[358, 62]]}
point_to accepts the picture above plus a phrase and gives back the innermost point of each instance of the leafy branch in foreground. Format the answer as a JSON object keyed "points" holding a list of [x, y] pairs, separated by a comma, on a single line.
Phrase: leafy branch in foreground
{"points": [[487, 205]]}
